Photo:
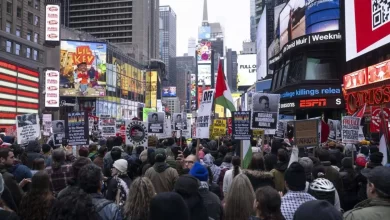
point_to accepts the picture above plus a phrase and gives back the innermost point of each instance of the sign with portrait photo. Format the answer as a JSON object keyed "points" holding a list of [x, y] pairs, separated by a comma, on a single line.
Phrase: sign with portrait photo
{"points": [[27, 127], [203, 121], [180, 121], [265, 111], [334, 129], [58, 128], [137, 133], [350, 129], [156, 122], [77, 127]]}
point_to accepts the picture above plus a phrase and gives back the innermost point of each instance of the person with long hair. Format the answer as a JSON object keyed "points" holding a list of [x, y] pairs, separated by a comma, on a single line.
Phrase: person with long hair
{"points": [[138, 202], [230, 174], [257, 174], [239, 199], [38, 165], [37, 203], [267, 204]]}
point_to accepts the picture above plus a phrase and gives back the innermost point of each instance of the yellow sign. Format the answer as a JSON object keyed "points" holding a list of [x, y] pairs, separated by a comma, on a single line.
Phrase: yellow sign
{"points": [[219, 127], [258, 133]]}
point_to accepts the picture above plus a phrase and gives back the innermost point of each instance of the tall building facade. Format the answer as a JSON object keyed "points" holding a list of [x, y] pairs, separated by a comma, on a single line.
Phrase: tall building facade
{"points": [[132, 25], [173, 104], [168, 40], [231, 69], [185, 66], [191, 46], [253, 24], [248, 47]]}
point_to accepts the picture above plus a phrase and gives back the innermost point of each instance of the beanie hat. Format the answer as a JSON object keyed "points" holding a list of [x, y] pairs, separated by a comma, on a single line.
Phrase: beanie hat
{"points": [[317, 209], [1, 184], [307, 164], [295, 177], [187, 185], [346, 162], [121, 165], [200, 172], [361, 161], [376, 157], [160, 155]]}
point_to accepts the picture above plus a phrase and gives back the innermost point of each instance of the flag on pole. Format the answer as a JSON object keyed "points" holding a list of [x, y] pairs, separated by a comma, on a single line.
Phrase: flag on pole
{"points": [[223, 96], [360, 112]]}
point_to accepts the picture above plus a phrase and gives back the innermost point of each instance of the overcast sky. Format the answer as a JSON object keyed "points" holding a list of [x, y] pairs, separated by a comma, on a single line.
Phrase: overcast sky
{"points": [[232, 14]]}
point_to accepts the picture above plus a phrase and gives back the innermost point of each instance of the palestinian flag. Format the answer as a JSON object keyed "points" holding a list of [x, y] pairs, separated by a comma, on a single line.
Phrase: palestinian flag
{"points": [[223, 96]]}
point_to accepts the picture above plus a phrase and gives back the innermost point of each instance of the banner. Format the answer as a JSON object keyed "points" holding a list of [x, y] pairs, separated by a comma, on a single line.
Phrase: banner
{"points": [[350, 129], [375, 124], [77, 127], [219, 127], [52, 90], [180, 121], [58, 128], [203, 121], [136, 133], [107, 126], [241, 125], [27, 128], [265, 111], [46, 122], [281, 131], [306, 133], [334, 129], [156, 122]]}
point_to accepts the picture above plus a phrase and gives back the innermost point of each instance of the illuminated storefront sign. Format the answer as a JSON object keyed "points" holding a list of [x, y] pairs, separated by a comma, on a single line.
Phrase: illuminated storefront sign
{"points": [[374, 96], [318, 91], [309, 103], [331, 102]]}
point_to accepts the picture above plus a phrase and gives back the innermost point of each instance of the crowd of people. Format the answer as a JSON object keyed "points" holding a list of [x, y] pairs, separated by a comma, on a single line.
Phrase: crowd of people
{"points": [[171, 180]]}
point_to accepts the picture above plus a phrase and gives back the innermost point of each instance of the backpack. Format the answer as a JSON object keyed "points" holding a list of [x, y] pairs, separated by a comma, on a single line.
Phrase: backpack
{"points": [[122, 193]]}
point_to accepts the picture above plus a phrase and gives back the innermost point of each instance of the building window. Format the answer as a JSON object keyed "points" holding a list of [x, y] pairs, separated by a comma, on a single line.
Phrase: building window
{"points": [[36, 20], [36, 37], [30, 3], [28, 52], [9, 46], [37, 4], [17, 49], [28, 35], [35, 55], [30, 18], [17, 31], [19, 12], [8, 27], [9, 8]]}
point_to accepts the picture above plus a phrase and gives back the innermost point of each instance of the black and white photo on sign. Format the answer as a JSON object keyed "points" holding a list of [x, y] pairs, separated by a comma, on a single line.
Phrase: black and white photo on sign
{"points": [[265, 111], [58, 127], [180, 121], [27, 128], [156, 122]]}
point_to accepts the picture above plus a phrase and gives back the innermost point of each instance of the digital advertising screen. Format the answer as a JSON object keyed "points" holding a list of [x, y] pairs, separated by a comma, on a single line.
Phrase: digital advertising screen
{"points": [[169, 91]]}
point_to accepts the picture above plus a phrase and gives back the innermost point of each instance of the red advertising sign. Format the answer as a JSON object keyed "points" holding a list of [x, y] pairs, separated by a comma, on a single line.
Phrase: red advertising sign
{"points": [[355, 79], [375, 125], [379, 72], [375, 96]]}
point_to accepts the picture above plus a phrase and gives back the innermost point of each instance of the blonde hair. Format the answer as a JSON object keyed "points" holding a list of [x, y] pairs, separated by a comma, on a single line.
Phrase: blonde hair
{"points": [[140, 194], [239, 199]]}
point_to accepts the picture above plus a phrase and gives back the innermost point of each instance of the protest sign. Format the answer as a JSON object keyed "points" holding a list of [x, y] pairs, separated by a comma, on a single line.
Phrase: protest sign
{"points": [[58, 128], [241, 125], [137, 133], [156, 122], [219, 127], [334, 129], [203, 121], [230, 125], [265, 111], [77, 127], [107, 126], [350, 129], [306, 133], [281, 130], [186, 132], [27, 128], [46, 121], [180, 121]]}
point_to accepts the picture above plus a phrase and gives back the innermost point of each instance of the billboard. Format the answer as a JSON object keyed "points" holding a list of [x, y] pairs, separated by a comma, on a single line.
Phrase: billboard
{"points": [[83, 69], [52, 95], [169, 91], [204, 33], [373, 29], [203, 51], [204, 74], [355, 79], [261, 44], [52, 28], [151, 90], [246, 75], [302, 17], [379, 72]]}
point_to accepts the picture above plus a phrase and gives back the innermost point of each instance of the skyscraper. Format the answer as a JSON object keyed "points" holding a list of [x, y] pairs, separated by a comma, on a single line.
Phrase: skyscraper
{"points": [[185, 66], [168, 40], [231, 69], [253, 19]]}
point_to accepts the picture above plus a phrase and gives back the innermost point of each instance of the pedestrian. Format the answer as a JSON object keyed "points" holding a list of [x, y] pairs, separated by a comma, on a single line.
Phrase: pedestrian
{"points": [[319, 210], [118, 185], [239, 199], [208, 161], [98, 161], [137, 204], [230, 174], [5, 212], [38, 165], [256, 173], [59, 171], [279, 170], [267, 204], [168, 206], [37, 203]]}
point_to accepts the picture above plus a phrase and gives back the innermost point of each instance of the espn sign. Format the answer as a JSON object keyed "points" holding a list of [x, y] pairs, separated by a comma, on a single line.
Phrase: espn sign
{"points": [[309, 103]]}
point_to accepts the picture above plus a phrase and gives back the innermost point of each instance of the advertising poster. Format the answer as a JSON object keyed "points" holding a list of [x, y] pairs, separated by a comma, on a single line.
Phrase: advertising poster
{"points": [[46, 122], [334, 129], [180, 121], [350, 129], [58, 131], [265, 111], [379, 72], [306, 133], [169, 91], [77, 127], [107, 126], [355, 79], [52, 95], [53, 21], [136, 133], [204, 33], [83, 69], [241, 125], [261, 45], [156, 122], [203, 121], [151, 90], [203, 51], [27, 128], [219, 127], [204, 74], [247, 70]]}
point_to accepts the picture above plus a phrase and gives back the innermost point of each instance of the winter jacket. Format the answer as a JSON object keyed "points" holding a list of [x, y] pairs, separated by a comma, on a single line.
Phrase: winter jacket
{"points": [[107, 210], [369, 209], [278, 174], [259, 178], [337, 154], [108, 162], [212, 204], [162, 176], [112, 186], [31, 156], [8, 215], [12, 185], [98, 161], [7, 198], [350, 190], [20, 172], [208, 161], [333, 175]]}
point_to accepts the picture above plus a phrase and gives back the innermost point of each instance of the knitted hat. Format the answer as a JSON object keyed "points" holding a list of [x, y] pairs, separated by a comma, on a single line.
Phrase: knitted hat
{"points": [[121, 165], [317, 209], [295, 177], [200, 172], [187, 185], [376, 157], [307, 164], [160, 155]]}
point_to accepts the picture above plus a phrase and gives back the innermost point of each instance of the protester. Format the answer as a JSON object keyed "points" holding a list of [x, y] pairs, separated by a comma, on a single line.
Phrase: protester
{"points": [[330, 173], [38, 165], [47, 150], [137, 205], [280, 168], [118, 185], [350, 185], [377, 206], [92, 149], [73, 182], [33, 151], [256, 173], [231, 174], [5, 212], [37, 203], [98, 161], [319, 210], [307, 164], [59, 172], [267, 204], [210, 200], [208, 161], [90, 180], [113, 145], [323, 189], [149, 161], [168, 206], [239, 199]]}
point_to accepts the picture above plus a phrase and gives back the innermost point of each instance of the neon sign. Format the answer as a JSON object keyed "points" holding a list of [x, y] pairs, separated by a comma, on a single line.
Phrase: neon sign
{"points": [[308, 103], [375, 96]]}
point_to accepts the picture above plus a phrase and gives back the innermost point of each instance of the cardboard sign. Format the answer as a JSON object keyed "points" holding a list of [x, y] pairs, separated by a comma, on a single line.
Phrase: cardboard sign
{"points": [[306, 133]]}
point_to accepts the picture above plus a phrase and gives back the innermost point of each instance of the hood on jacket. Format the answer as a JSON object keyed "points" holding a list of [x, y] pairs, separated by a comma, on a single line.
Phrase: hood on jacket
{"points": [[326, 163], [208, 160], [281, 166], [258, 174], [160, 167], [226, 165]]}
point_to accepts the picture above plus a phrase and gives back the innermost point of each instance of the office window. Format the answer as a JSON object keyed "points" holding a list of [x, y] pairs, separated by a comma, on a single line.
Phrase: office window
{"points": [[30, 3], [30, 18], [17, 31], [37, 4], [8, 46], [28, 35], [35, 55], [36, 37], [17, 49], [28, 52], [8, 27], [36, 20], [9, 8], [19, 12]]}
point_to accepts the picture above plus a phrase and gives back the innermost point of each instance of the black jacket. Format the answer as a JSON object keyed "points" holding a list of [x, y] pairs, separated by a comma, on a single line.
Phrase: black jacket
{"points": [[12, 185], [112, 186], [212, 204], [8, 215]]}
